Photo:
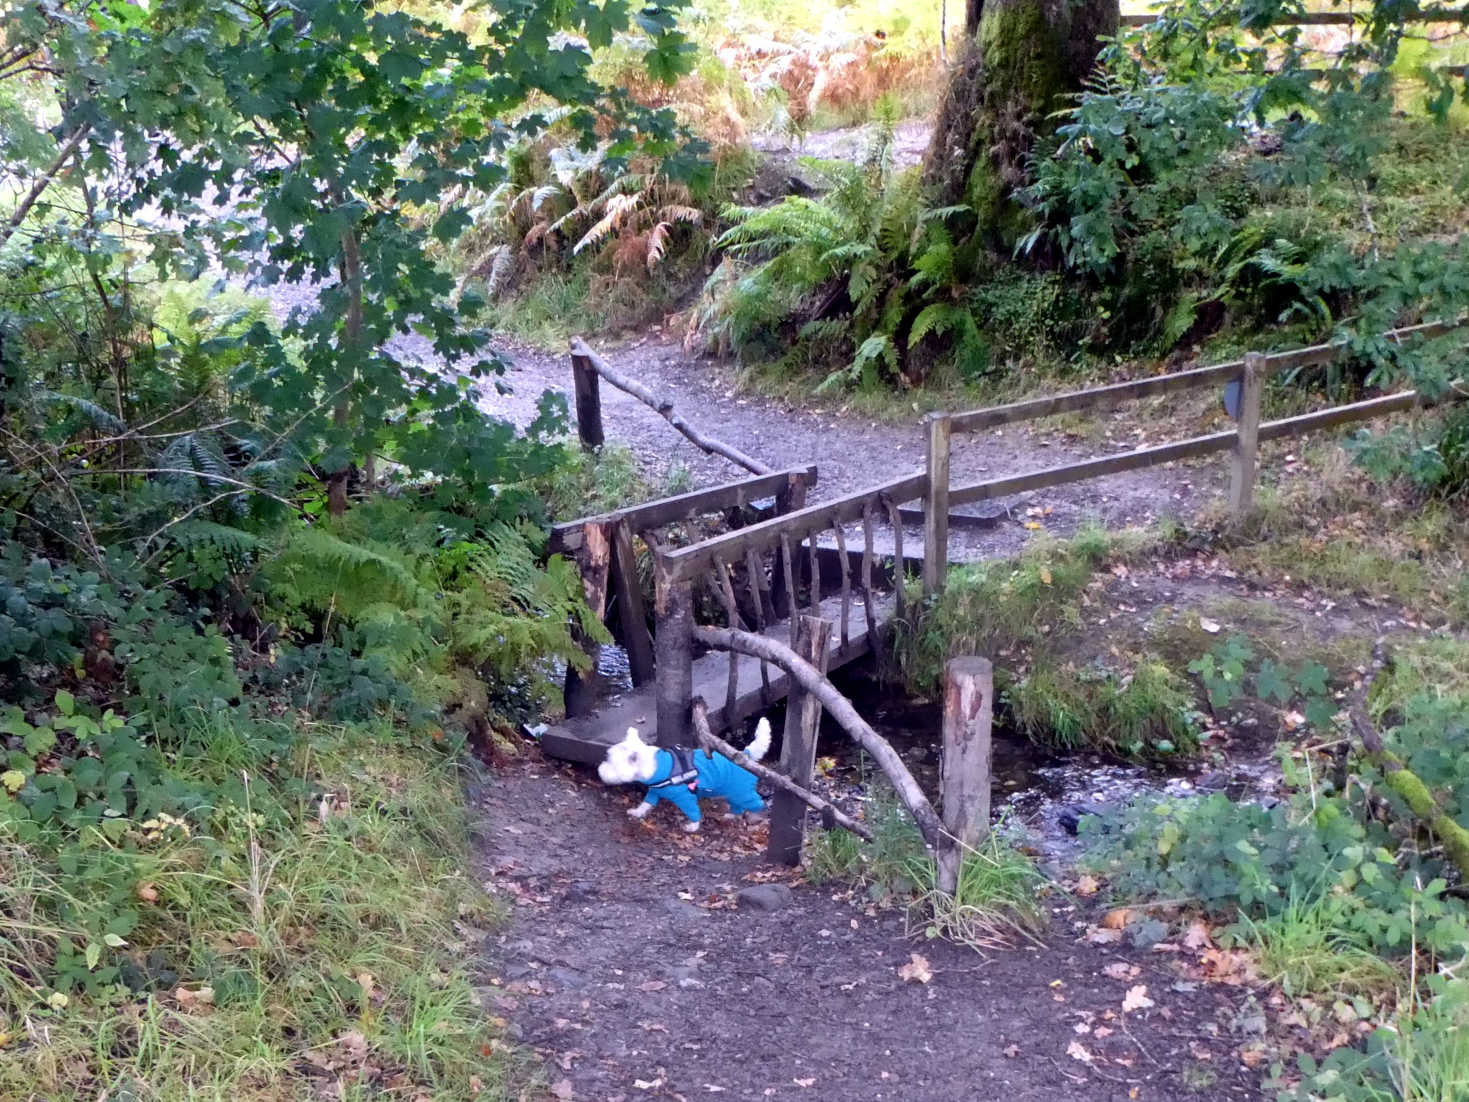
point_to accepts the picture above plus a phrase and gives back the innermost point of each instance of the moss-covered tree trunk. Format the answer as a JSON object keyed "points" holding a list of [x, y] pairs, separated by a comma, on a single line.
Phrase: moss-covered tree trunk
{"points": [[1020, 61]]}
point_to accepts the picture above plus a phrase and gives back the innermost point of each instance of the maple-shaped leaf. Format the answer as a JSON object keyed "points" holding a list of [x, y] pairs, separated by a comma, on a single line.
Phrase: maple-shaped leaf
{"points": [[1270, 684]]}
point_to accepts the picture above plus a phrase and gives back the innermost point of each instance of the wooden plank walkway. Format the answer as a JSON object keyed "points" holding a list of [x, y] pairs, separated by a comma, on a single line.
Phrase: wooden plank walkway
{"points": [[586, 738]]}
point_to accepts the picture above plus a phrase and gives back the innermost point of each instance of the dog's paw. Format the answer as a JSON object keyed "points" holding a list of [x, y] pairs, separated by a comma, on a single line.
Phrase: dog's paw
{"points": [[691, 828], [639, 812]]}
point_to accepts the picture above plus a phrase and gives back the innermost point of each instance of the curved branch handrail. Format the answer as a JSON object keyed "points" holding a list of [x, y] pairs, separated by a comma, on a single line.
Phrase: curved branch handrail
{"points": [[841, 710]]}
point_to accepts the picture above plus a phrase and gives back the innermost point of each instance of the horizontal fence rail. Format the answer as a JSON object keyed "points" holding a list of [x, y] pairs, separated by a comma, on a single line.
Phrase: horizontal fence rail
{"points": [[1325, 18], [1250, 373], [1105, 397], [670, 510], [795, 526]]}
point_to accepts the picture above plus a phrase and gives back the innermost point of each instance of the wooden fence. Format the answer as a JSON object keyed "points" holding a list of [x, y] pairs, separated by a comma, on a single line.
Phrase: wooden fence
{"points": [[1251, 373]]}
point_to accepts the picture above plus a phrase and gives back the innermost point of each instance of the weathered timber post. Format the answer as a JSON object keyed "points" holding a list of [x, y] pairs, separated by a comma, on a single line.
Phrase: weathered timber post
{"points": [[673, 644], [936, 506], [788, 500], [586, 386], [1246, 448], [632, 613], [798, 752], [965, 776], [594, 561]]}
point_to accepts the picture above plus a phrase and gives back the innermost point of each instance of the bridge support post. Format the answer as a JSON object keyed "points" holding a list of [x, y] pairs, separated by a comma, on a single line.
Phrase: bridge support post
{"points": [[936, 506], [588, 393], [673, 643], [969, 685], [1246, 449], [798, 750], [788, 500]]}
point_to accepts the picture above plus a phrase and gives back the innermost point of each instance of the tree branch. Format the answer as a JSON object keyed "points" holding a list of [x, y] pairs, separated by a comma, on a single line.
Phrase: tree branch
{"points": [[841, 710], [712, 741], [665, 409], [1402, 780], [43, 182]]}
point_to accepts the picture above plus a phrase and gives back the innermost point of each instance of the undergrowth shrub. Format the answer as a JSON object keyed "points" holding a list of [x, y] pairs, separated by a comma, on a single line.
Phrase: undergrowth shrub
{"points": [[1339, 889], [1145, 714]]}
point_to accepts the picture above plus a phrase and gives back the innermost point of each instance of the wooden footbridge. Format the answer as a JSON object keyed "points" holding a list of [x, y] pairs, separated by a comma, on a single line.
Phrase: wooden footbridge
{"points": [[752, 555]]}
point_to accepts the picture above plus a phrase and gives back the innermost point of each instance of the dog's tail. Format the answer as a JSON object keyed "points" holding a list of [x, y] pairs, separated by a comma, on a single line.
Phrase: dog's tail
{"points": [[761, 744]]}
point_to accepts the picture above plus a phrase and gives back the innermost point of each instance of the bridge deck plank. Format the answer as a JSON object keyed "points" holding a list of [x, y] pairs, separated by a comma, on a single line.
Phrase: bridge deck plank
{"points": [[586, 738]]}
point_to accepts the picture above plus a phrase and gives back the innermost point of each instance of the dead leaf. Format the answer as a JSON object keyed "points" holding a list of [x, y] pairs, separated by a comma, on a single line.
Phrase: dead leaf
{"points": [[1211, 626], [804, 1082], [916, 970], [1120, 970], [1136, 999], [1078, 1052], [191, 1000], [1087, 885], [1197, 936], [146, 892], [1251, 1057], [1012, 1051], [652, 985], [1118, 919], [1099, 936], [562, 1089]]}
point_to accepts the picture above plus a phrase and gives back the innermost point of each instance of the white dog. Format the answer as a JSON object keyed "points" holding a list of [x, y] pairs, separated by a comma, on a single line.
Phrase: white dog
{"points": [[684, 777]]}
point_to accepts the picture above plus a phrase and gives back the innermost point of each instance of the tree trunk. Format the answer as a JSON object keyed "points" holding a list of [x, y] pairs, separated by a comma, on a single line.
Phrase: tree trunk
{"points": [[1020, 61]]}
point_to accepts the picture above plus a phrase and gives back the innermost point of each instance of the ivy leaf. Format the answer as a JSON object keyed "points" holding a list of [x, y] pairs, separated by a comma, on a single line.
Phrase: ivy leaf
{"points": [[65, 702]]}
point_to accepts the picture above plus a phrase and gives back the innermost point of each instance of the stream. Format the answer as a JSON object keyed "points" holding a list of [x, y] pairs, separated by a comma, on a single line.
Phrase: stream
{"points": [[1037, 791]]}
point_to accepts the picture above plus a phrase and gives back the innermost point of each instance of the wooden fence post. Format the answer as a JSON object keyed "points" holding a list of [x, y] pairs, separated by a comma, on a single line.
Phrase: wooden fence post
{"points": [[936, 506], [632, 613], [788, 500], [580, 690], [673, 642], [586, 385], [965, 776], [1246, 448], [798, 752]]}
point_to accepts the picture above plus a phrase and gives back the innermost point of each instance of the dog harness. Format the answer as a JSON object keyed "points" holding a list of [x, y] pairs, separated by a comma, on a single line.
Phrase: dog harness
{"points": [[683, 771]]}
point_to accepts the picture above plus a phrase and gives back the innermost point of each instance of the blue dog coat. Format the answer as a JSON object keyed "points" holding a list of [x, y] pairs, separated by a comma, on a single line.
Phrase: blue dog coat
{"points": [[716, 777]]}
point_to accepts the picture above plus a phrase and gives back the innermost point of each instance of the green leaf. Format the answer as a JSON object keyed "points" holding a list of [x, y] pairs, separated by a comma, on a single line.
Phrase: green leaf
{"points": [[65, 702], [1270, 685], [94, 955]]}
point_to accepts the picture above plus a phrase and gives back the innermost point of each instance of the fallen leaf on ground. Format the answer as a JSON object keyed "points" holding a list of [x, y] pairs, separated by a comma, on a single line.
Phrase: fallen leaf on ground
{"points": [[804, 1082], [1078, 1052], [1097, 935], [1087, 885], [1211, 626], [916, 970], [1012, 1051], [1197, 936], [1136, 999], [1120, 970], [1118, 919], [652, 985]]}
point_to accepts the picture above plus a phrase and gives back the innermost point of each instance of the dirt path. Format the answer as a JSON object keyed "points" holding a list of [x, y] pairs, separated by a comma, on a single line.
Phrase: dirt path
{"points": [[853, 453], [630, 969]]}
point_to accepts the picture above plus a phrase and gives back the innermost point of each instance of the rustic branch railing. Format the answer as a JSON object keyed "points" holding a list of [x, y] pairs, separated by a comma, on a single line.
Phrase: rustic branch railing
{"points": [[587, 367], [604, 552], [1251, 373], [777, 542]]}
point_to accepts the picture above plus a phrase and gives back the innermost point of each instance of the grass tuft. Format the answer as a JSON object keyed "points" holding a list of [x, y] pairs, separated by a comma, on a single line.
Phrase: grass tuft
{"points": [[317, 934], [995, 906]]}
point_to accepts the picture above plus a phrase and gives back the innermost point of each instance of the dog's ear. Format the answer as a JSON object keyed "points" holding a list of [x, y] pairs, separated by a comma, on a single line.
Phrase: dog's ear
{"points": [[633, 736]]}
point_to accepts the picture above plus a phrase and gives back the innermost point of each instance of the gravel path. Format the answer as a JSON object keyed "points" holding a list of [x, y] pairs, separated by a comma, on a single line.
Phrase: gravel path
{"points": [[853, 453]]}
